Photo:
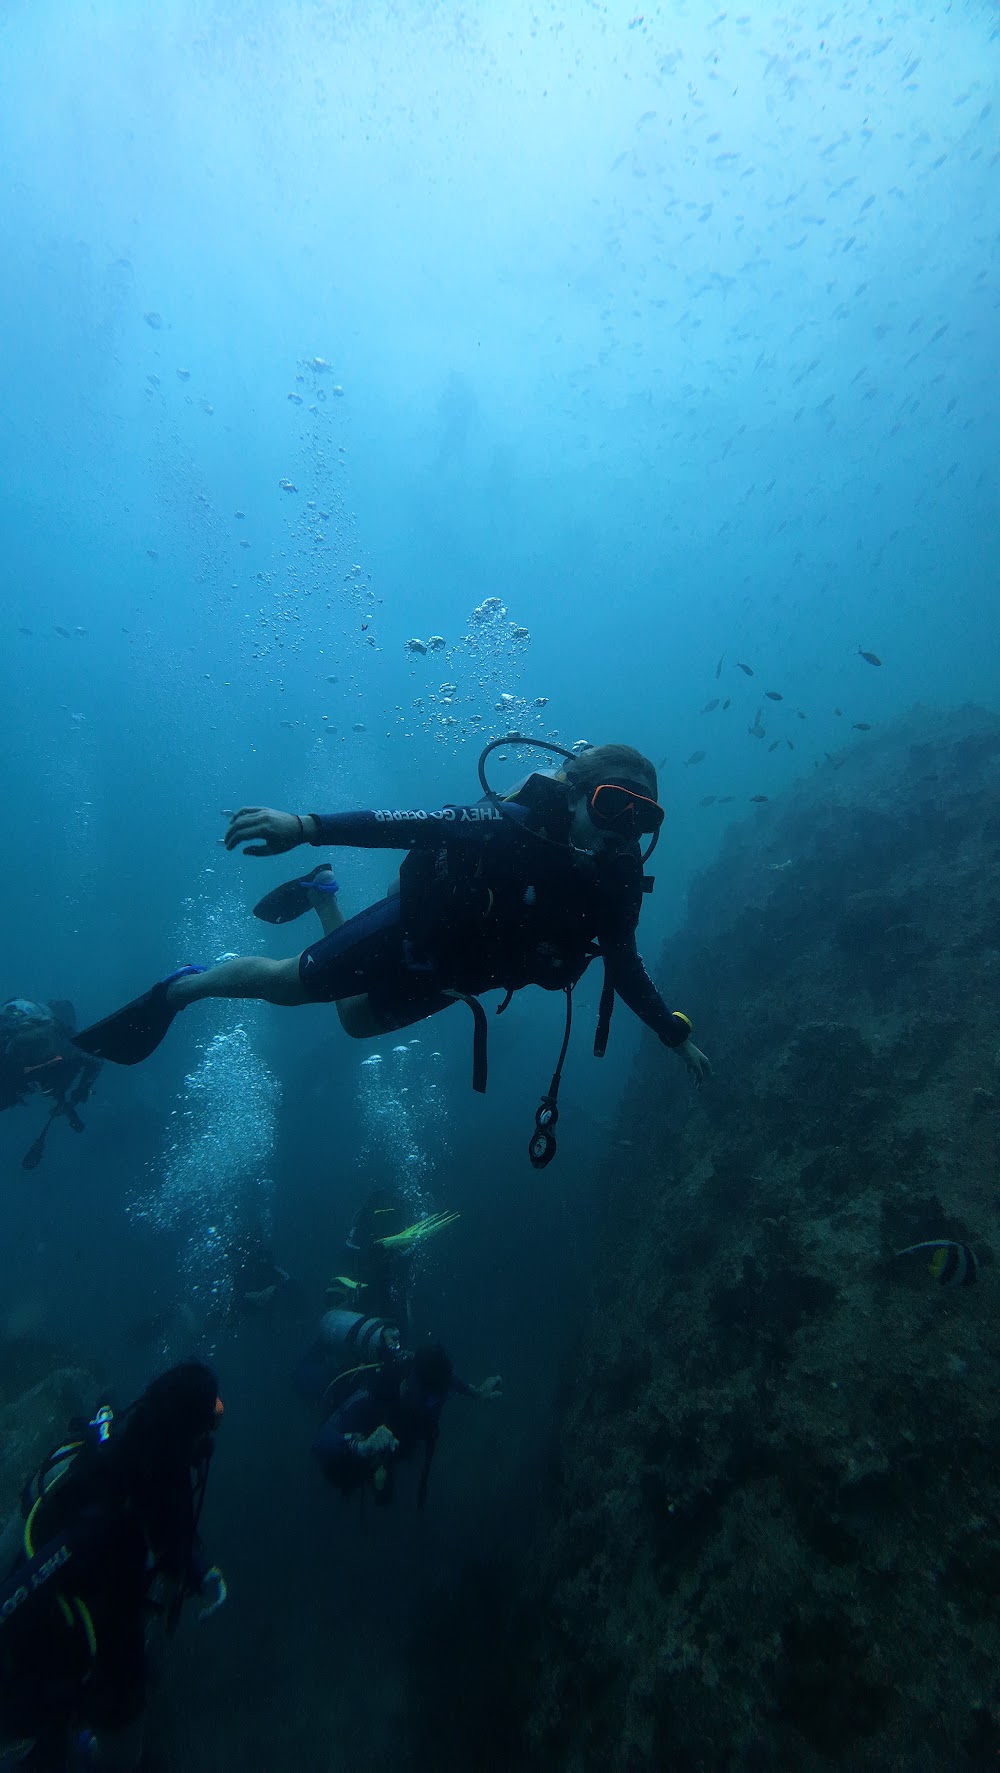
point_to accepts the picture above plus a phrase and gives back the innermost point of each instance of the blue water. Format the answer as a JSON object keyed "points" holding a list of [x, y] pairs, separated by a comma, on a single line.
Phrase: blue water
{"points": [[674, 331]]}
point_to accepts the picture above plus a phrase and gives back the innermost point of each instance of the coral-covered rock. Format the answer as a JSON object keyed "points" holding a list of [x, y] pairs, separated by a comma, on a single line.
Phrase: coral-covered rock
{"points": [[775, 1534]]}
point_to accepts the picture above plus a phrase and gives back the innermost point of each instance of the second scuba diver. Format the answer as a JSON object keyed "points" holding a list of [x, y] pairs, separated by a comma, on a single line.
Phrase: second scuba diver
{"points": [[382, 1401], [492, 896], [37, 1053], [105, 1545], [376, 1273]]}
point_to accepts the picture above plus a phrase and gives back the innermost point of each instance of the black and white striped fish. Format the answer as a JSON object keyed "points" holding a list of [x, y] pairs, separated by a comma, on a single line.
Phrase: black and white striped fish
{"points": [[953, 1264]]}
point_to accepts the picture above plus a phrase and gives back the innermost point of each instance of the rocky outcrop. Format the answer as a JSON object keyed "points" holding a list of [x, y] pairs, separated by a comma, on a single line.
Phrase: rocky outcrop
{"points": [[775, 1534]]}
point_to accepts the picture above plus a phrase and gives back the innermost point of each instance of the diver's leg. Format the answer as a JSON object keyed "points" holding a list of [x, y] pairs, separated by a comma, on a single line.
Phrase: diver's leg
{"points": [[326, 905], [250, 976], [357, 1017], [363, 968], [363, 951]]}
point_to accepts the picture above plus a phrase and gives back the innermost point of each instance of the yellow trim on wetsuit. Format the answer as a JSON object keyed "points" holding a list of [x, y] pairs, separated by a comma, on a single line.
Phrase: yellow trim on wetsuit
{"points": [[83, 1613], [29, 1523], [87, 1622]]}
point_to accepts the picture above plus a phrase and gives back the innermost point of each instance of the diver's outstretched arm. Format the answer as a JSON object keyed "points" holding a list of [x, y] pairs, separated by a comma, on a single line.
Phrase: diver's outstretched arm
{"points": [[266, 832]]}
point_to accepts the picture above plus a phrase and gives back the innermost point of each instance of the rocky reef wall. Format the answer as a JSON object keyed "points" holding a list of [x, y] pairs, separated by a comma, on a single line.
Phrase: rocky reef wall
{"points": [[775, 1531]]}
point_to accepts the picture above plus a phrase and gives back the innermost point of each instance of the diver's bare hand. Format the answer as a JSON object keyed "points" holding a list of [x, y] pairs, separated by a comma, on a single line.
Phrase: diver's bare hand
{"points": [[695, 1061], [380, 1441], [490, 1388], [264, 832]]}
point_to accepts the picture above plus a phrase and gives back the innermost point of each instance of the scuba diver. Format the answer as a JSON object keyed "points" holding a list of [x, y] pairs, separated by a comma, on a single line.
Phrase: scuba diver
{"points": [[509, 892], [385, 1409], [106, 1543], [37, 1054], [377, 1270]]}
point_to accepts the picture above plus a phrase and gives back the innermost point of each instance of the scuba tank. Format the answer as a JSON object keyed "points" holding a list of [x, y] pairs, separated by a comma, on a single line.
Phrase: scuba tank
{"points": [[353, 1335]]}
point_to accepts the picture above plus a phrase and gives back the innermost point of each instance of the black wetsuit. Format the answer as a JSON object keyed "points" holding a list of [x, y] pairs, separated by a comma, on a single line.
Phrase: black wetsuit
{"points": [[78, 1656], [413, 1421], [485, 905]]}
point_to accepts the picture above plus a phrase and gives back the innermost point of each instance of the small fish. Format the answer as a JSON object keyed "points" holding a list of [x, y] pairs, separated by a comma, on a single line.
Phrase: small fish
{"points": [[800, 714], [747, 668], [153, 319], [296, 399], [711, 706], [774, 695], [861, 726], [707, 800], [952, 1264], [695, 757], [724, 799], [152, 554], [727, 703], [26, 630], [788, 742], [872, 658], [759, 798], [239, 513], [64, 632], [757, 731], [718, 668], [774, 745], [838, 712]]}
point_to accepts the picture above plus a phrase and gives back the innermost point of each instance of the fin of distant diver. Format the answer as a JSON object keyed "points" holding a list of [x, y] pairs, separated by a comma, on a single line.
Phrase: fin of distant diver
{"points": [[291, 900], [131, 1034]]}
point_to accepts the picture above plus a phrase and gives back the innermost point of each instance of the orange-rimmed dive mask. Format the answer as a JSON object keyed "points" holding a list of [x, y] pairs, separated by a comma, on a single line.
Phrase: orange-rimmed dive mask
{"points": [[619, 807]]}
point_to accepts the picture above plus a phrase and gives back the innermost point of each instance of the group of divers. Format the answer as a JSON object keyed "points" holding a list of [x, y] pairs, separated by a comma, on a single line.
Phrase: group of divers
{"points": [[521, 889]]}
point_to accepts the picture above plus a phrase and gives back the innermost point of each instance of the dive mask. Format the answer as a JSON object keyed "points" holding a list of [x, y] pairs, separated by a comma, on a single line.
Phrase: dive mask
{"points": [[619, 807]]}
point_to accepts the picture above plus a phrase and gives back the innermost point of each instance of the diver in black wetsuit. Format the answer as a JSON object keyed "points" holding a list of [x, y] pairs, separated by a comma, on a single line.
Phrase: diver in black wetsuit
{"points": [[105, 1545], [386, 1411], [492, 897], [376, 1273], [37, 1054]]}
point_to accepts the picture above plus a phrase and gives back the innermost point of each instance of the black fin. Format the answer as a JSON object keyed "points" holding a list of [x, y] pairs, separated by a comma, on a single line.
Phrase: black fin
{"points": [[290, 900], [132, 1033]]}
